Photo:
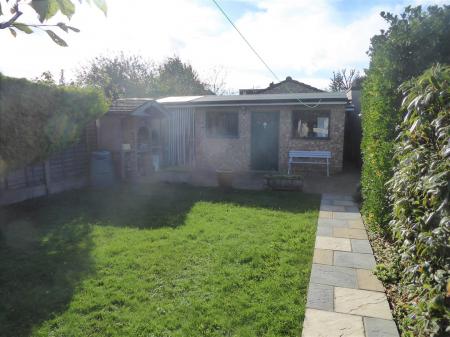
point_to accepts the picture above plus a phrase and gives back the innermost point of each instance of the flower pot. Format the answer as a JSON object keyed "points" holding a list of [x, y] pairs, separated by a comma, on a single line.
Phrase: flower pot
{"points": [[225, 179]]}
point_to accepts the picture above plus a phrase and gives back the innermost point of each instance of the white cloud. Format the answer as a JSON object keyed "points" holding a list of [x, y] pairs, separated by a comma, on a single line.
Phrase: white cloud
{"points": [[303, 39]]}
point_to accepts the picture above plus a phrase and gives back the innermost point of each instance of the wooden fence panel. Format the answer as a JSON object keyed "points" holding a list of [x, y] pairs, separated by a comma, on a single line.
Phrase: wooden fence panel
{"points": [[62, 171]]}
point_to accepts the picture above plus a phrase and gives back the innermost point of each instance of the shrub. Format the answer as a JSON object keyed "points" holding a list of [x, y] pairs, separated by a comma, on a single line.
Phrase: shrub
{"points": [[37, 119], [419, 195], [414, 41]]}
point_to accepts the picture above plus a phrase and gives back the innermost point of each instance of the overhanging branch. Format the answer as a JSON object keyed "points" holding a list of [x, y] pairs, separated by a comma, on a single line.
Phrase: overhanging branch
{"points": [[9, 23]]}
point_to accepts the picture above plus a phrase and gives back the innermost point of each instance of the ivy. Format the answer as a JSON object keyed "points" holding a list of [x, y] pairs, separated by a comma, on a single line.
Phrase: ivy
{"points": [[419, 193], [37, 119]]}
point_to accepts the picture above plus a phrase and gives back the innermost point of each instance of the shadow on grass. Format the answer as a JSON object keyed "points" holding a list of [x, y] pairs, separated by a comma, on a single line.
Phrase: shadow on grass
{"points": [[39, 270], [162, 205], [45, 243]]}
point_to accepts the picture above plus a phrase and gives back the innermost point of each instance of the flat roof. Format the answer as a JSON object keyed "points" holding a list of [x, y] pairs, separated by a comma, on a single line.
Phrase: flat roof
{"points": [[257, 99]]}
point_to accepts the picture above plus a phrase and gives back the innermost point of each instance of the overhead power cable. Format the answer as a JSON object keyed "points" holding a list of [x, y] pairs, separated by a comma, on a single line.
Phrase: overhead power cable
{"points": [[258, 55]]}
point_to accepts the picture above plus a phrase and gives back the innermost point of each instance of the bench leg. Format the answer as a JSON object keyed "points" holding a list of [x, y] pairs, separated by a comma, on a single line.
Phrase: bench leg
{"points": [[328, 168]]}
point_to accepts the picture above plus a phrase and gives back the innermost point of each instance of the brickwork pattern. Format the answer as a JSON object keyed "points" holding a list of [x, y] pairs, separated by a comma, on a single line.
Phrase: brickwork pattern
{"points": [[235, 153], [335, 143], [214, 153]]}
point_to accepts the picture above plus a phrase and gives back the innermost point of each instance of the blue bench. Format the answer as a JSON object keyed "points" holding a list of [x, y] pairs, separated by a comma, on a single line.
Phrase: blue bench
{"points": [[304, 157]]}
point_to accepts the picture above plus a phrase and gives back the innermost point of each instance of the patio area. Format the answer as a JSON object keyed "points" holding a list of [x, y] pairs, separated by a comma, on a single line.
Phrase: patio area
{"points": [[345, 182]]}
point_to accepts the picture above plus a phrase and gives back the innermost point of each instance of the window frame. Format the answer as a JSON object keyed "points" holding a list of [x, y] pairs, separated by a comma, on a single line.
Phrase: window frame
{"points": [[318, 113], [210, 134]]}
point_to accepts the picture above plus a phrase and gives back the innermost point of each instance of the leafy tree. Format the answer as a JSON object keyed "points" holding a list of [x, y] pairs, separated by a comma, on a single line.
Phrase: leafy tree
{"points": [[45, 9], [343, 81], [413, 42], [119, 76], [132, 76], [178, 78], [45, 78]]}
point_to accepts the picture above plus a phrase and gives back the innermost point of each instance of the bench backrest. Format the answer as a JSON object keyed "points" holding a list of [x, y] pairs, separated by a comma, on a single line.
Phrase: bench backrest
{"points": [[309, 154]]}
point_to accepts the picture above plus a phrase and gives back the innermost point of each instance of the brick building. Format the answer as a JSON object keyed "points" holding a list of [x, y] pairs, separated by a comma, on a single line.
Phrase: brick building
{"points": [[249, 132]]}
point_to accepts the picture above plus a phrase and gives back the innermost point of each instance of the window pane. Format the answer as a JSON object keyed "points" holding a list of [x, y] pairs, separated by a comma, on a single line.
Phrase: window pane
{"points": [[222, 124], [310, 124]]}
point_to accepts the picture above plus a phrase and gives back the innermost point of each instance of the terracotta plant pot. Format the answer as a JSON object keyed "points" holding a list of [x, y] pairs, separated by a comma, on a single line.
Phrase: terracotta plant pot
{"points": [[225, 178]]}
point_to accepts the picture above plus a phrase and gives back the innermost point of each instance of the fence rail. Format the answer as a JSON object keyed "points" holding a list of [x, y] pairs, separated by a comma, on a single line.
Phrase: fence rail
{"points": [[67, 169]]}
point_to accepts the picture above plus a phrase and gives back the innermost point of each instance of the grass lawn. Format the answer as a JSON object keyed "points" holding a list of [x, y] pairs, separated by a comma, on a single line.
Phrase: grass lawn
{"points": [[156, 261]]}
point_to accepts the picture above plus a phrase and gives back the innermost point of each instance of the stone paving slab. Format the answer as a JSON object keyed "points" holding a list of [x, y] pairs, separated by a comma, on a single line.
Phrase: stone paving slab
{"points": [[332, 223], [323, 230], [333, 196], [356, 223], [349, 233], [320, 323], [323, 256], [327, 242], [339, 202], [320, 297], [368, 281], [334, 276], [346, 215], [354, 260], [325, 215], [361, 246], [331, 208], [345, 298], [361, 302], [376, 327]]}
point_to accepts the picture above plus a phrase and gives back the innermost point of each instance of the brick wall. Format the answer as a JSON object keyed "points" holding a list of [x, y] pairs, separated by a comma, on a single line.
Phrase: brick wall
{"points": [[234, 153], [335, 143], [214, 153]]}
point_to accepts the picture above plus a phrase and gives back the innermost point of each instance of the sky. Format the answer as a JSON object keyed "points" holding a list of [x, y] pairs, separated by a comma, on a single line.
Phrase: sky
{"points": [[304, 39]]}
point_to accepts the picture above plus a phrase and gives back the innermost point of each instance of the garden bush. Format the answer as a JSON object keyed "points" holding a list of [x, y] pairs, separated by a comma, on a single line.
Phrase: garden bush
{"points": [[37, 118], [419, 194], [413, 42]]}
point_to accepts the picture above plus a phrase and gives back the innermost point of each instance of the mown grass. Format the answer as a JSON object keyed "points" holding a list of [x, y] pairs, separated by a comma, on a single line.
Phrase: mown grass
{"points": [[156, 261]]}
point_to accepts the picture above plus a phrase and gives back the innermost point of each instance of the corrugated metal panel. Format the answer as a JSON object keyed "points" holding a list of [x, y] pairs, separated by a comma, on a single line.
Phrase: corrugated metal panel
{"points": [[178, 136]]}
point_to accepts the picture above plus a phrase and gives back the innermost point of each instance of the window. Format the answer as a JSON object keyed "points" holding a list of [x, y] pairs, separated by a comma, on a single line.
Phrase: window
{"points": [[310, 124], [222, 124]]}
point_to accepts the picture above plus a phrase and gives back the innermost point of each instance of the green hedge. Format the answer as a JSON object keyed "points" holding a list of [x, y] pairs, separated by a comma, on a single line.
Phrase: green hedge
{"points": [[414, 41], [419, 192], [37, 119]]}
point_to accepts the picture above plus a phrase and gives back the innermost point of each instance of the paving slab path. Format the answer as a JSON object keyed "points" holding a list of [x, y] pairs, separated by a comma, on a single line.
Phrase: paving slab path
{"points": [[345, 299]]}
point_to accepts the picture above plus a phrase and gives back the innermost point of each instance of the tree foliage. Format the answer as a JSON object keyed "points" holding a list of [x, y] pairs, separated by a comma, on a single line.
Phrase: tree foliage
{"points": [[119, 76], [132, 76], [11, 11], [37, 118], [343, 81], [414, 41], [180, 79], [419, 194]]}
